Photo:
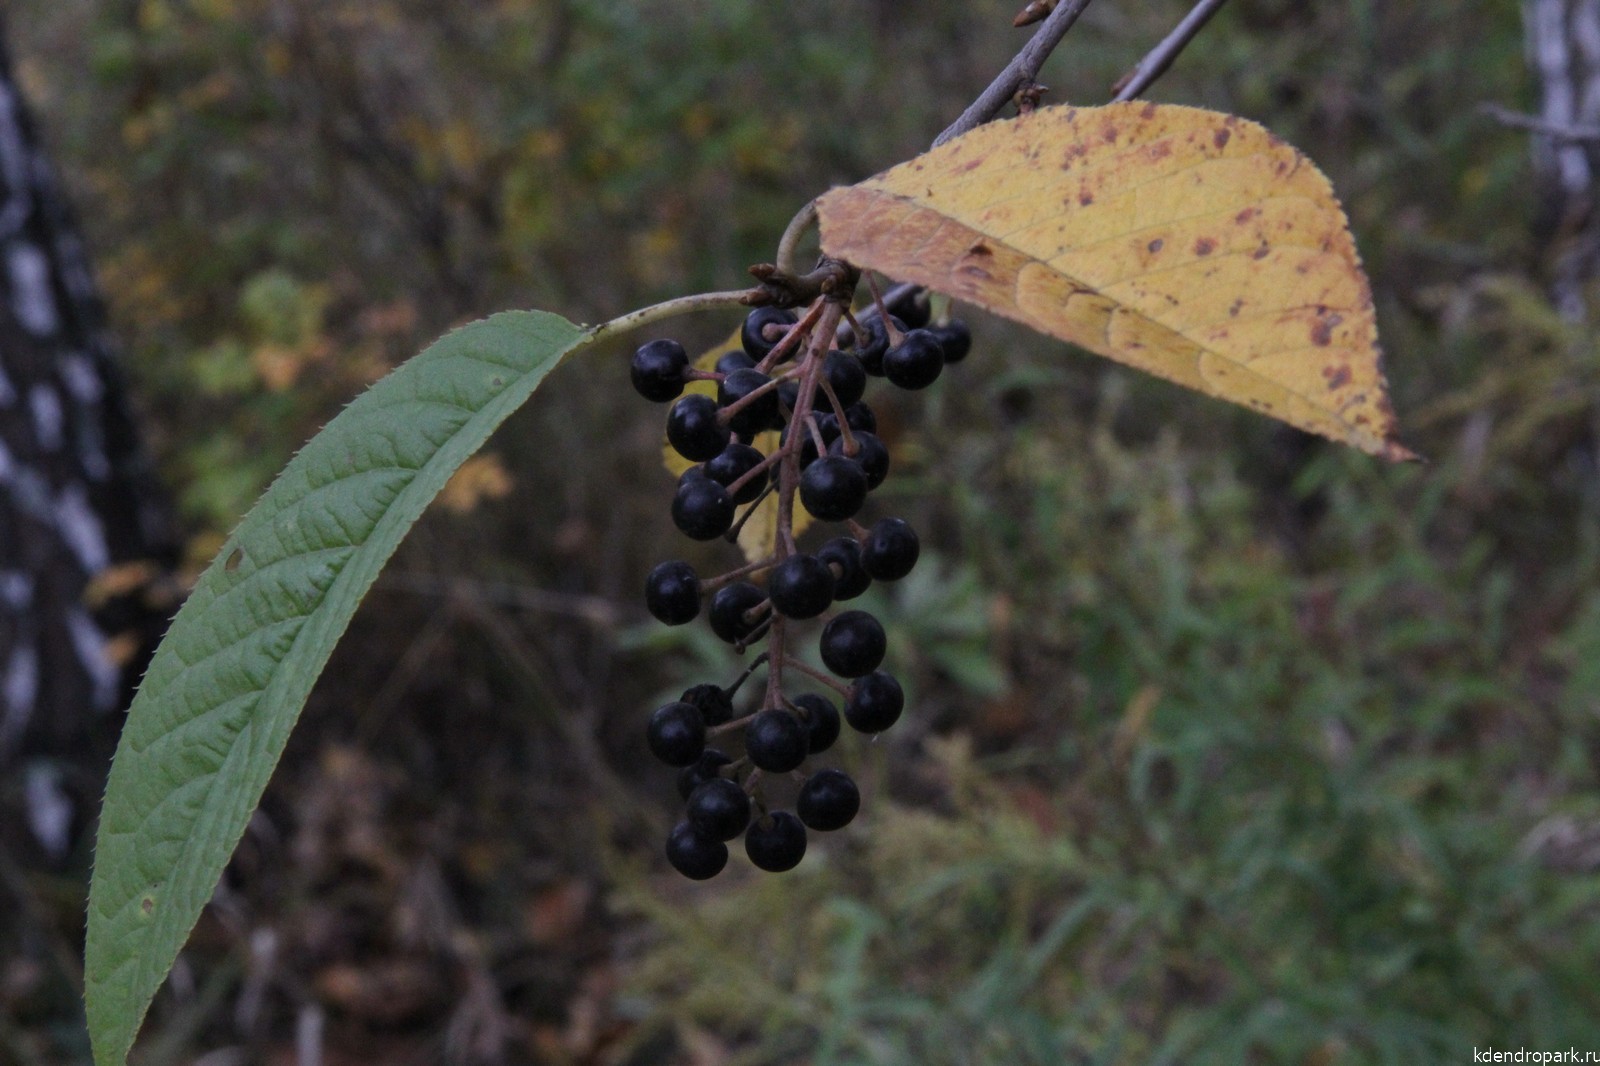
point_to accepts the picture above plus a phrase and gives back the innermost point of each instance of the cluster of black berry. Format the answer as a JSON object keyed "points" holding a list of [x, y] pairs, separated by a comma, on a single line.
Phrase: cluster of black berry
{"points": [[788, 378]]}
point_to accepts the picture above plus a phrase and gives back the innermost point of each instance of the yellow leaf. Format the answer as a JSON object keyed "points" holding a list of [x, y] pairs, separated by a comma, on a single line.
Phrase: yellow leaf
{"points": [[758, 537], [1190, 244], [483, 477]]}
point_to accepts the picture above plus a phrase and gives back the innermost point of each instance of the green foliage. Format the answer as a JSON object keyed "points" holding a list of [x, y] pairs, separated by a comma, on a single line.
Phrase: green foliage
{"points": [[215, 709]]}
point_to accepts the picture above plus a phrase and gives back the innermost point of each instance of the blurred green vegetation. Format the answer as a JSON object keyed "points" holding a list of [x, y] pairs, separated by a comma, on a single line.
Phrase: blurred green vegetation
{"points": [[1227, 746]]}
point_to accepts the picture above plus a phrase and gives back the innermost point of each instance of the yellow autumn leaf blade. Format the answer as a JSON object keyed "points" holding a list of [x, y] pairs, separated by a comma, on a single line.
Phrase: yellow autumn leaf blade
{"points": [[758, 537], [1187, 243]]}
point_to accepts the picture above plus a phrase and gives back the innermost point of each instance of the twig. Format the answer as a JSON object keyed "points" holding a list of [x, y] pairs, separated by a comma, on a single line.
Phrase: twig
{"points": [[1159, 58], [1021, 71], [1556, 131]]}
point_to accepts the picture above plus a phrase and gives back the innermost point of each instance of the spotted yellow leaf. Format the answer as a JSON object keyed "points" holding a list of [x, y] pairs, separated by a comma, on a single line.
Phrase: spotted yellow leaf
{"points": [[1190, 244], [758, 537]]}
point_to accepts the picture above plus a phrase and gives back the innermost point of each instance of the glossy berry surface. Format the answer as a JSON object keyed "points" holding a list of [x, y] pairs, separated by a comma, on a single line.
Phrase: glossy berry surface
{"points": [[890, 550], [677, 734], [701, 770], [828, 800], [843, 556], [776, 741], [821, 720], [916, 362], [801, 587], [719, 809], [776, 843], [853, 644], [871, 454], [875, 703], [657, 370], [693, 855], [871, 354], [912, 307], [954, 338], [756, 415], [861, 417], [672, 592], [702, 509], [846, 377], [693, 429], [729, 605], [733, 463], [753, 334], [728, 362], [833, 488]]}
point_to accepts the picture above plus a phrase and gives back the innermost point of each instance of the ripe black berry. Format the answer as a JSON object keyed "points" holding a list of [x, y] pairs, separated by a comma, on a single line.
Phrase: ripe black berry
{"points": [[871, 453], [677, 734], [702, 509], [916, 362], [890, 550], [871, 354], [954, 338], [728, 608], [753, 334], [875, 703], [701, 770], [695, 856], [828, 800], [849, 580], [776, 843], [833, 488], [846, 376], [912, 307], [801, 587], [728, 362], [672, 592], [733, 463], [719, 809], [712, 701], [776, 741], [858, 416], [853, 644], [693, 429], [821, 718], [760, 413], [657, 370]]}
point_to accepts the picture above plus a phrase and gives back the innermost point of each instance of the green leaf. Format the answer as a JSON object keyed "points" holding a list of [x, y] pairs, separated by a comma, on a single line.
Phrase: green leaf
{"points": [[229, 680]]}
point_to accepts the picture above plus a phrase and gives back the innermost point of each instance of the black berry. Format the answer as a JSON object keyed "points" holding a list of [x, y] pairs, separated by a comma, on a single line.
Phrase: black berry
{"points": [[677, 734], [871, 453], [916, 362], [875, 703], [733, 463], [912, 307], [801, 586], [755, 416], [657, 370], [695, 856], [776, 843], [846, 376], [753, 335], [701, 770], [833, 488], [693, 429], [712, 701], [859, 417], [853, 644], [821, 718], [672, 592], [828, 800], [719, 809], [728, 362], [729, 606], [954, 338], [849, 579], [702, 509], [890, 550], [871, 354], [776, 741]]}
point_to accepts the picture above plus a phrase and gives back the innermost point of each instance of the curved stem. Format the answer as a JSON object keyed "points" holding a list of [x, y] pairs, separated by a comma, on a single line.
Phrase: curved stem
{"points": [[803, 220], [683, 305]]}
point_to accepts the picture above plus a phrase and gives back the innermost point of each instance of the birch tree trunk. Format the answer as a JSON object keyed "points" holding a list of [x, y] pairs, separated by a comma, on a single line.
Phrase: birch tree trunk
{"points": [[77, 500]]}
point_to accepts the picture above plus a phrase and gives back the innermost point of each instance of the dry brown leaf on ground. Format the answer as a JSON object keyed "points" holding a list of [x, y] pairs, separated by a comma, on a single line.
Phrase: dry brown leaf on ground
{"points": [[1190, 244]]}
